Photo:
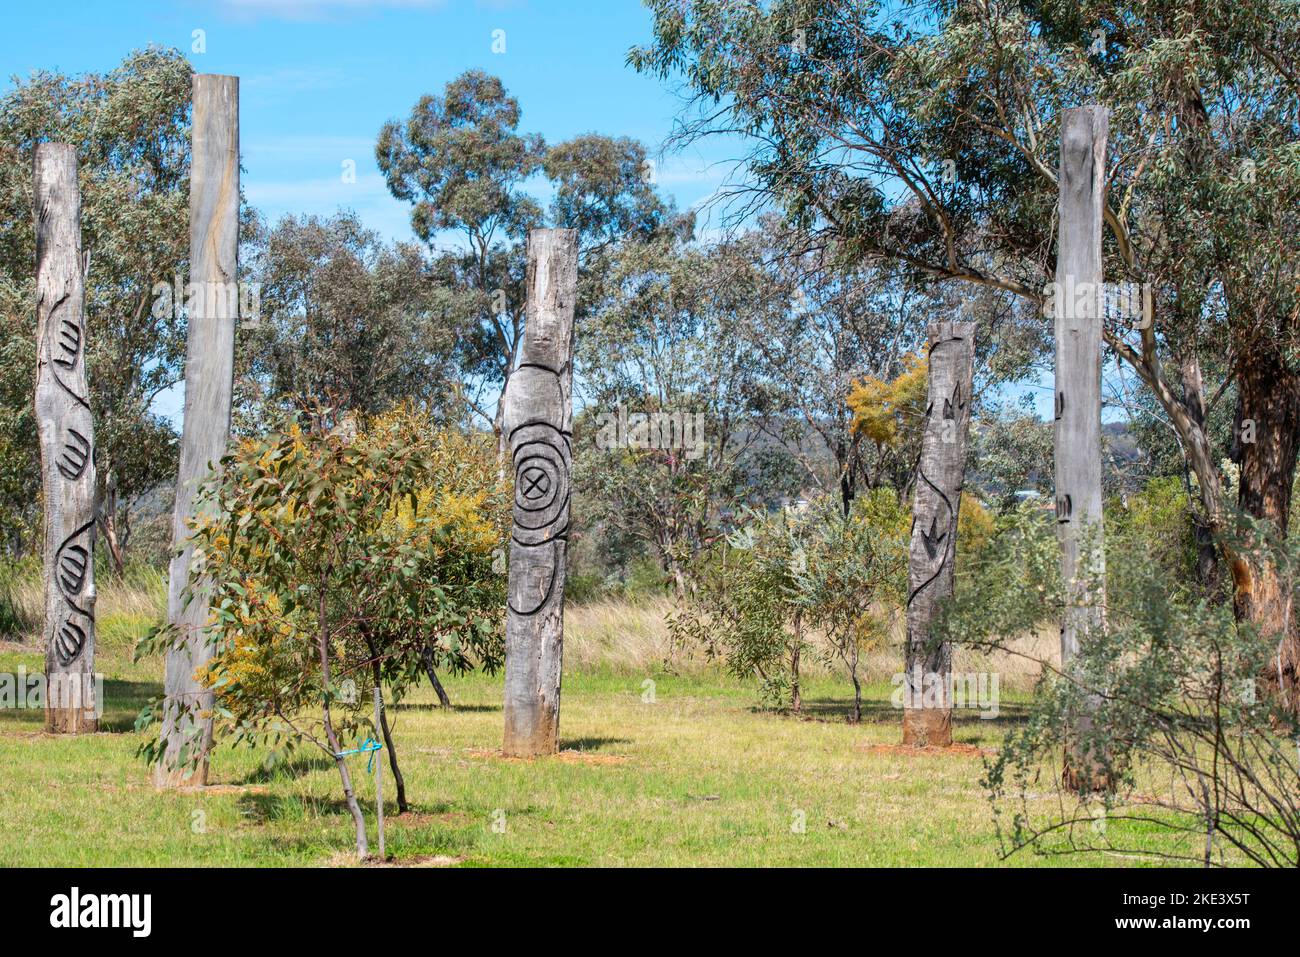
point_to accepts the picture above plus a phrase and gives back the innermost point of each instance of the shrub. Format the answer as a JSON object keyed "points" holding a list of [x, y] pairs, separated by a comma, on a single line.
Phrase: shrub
{"points": [[338, 558], [760, 592]]}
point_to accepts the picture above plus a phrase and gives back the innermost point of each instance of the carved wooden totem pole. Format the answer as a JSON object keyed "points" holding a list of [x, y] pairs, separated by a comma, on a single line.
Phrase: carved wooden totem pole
{"points": [[213, 306], [927, 679], [538, 426], [67, 443], [1078, 318]]}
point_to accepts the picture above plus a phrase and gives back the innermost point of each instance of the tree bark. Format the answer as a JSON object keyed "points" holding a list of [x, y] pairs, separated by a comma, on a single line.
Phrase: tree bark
{"points": [[427, 657], [1078, 328], [67, 440], [108, 519], [1207, 563], [538, 424], [927, 675], [796, 692], [1269, 396], [209, 375]]}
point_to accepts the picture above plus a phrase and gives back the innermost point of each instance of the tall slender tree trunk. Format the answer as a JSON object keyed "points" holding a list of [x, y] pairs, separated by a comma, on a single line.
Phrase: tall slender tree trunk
{"points": [[376, 671], [426, 656], [209, 378], [1206, 551], [940, 475], [1078, 327], [538, 424], [67, 438], [108, 522], [796, 692]]}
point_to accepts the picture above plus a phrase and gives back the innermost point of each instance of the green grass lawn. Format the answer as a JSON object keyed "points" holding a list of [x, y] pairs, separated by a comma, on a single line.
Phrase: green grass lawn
{"points": [[698, 777]]}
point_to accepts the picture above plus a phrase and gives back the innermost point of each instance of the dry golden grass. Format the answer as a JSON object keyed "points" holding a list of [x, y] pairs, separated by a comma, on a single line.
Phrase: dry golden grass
{"points": [[625, 636]]}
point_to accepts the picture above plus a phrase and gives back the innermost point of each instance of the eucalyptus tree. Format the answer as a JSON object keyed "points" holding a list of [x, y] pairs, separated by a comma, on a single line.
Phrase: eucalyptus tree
{"points": [[667, 385], [345, 320], [462, 162], [926, 135], [130, 128]]}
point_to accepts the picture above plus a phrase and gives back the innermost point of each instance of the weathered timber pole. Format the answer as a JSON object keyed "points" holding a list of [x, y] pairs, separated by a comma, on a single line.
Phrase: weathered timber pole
{"points": [[538, 426], [927, 678], [1078, 299], [213, 305], [67, 439]]}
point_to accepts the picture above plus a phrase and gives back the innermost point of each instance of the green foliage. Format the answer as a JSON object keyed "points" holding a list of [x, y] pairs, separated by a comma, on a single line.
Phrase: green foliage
{"points": [[851, 578], [758, 594], [603, 189], [1183, 717], [1011, 586], [643, 579], [462, 163], [330, 551], [1155, 523], [346, 320], [130, 127], [1011, 451], [17, 620], [669, 374], [927, 135], [741, 606]]}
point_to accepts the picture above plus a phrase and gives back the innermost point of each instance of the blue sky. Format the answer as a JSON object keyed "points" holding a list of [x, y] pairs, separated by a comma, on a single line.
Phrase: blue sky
{"points": [[319, 77]]}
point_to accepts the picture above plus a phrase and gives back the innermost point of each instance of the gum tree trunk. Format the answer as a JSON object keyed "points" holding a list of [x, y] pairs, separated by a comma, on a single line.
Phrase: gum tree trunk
{"points": [[209, 372], [538, 426], [1078, 327], [927, 678], [67, 444], [1269, 396]]}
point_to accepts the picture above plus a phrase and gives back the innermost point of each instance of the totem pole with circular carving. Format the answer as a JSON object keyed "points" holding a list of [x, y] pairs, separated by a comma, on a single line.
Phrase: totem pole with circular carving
{"points": [[537, 422]]}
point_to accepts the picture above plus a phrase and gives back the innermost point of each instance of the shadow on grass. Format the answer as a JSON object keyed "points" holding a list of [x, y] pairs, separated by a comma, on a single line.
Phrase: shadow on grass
{"points": [[123, 701], [589, 744], [264, 808], [299, 765], [836, 710], [455, 708]]}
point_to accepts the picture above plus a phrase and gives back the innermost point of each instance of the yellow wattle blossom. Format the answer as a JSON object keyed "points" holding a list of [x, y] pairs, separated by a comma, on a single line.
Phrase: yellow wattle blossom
{"points": [[880, 408]]}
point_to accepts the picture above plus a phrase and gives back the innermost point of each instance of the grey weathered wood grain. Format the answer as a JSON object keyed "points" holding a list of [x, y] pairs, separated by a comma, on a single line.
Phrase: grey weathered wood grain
{"points": [[537, 422], [209, 371], [67, 439], [1078, 328], [927, 704]]}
